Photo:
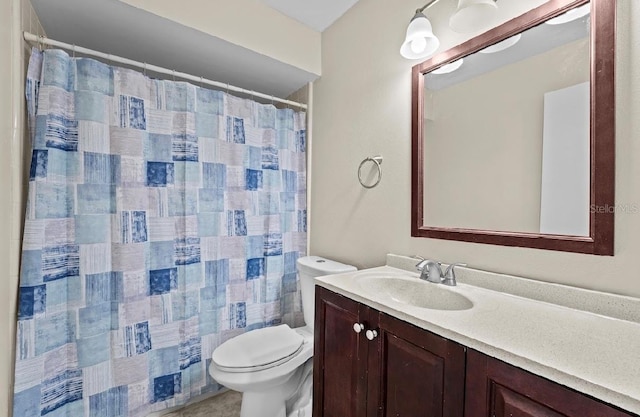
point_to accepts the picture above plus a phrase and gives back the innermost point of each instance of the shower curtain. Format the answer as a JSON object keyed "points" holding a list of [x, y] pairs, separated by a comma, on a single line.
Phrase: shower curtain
{"points": [[162, 219]]}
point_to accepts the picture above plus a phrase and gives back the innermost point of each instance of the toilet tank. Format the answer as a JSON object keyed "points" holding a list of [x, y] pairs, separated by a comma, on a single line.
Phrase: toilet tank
{"points": [[310, 267]]}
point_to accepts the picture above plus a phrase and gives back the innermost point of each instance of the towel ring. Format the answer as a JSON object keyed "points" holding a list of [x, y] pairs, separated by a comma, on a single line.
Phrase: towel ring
{"points": [[377, 160]]}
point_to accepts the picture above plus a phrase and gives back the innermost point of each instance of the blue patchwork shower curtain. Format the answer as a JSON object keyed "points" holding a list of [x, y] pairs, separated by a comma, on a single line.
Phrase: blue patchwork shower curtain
{"points": [[162, 219]]}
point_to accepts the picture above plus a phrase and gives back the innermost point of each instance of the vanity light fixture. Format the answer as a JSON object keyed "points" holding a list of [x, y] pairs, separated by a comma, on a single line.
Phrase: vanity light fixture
{"points": [[420, 42], [445, 69], [571, 15], [502, 45], [471, 15]]}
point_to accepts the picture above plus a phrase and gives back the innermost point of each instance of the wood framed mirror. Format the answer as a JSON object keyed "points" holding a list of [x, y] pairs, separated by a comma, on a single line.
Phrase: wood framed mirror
{"points": [[486, 170]]}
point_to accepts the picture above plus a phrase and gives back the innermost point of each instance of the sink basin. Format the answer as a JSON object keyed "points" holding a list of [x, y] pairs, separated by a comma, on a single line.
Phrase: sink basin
{"points": [[414, 292]]}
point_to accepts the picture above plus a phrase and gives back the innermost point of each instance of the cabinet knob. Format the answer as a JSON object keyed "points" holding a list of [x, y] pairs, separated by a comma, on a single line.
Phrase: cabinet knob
{"points": [[358, 327], [371, 334]]}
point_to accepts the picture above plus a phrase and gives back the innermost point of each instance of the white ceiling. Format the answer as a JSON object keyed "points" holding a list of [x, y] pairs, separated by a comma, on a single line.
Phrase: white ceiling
{"points": [[316, 14], [117, 28]]}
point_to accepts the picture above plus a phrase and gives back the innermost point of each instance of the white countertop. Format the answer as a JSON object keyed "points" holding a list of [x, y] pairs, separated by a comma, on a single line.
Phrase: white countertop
{"points": [[591, 353]]}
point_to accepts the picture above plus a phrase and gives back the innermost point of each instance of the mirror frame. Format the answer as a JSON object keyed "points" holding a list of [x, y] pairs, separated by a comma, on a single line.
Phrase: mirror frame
{"points": [[602, 134]]}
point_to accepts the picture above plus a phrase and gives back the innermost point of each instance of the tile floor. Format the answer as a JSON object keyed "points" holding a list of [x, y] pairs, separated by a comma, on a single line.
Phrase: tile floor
{"points": [[223, 405]]}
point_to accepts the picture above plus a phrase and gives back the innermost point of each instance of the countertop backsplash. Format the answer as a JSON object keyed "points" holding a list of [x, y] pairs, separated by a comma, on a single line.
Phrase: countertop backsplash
{"points": [[606, 304]]}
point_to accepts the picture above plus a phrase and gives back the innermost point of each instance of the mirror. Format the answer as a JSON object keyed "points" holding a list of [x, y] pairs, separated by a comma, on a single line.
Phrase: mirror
{"points": [[513, 133]]}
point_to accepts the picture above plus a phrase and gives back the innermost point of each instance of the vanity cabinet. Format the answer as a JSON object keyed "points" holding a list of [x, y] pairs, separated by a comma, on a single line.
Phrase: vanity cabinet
{"points": [[339, 360], [405, 371], [382, 367], [497, 389]]}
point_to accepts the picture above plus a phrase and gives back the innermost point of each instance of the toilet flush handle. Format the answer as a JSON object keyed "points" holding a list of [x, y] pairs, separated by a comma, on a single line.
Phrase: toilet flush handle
{"points": [[358, 327]]}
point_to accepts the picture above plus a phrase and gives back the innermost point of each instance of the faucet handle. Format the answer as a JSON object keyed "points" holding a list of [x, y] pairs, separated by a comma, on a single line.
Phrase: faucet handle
{"points": [[450, 274]]}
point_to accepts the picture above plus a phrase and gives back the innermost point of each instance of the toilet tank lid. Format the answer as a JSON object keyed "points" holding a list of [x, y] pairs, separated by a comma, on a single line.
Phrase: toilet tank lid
{"points": [[317, 266]]}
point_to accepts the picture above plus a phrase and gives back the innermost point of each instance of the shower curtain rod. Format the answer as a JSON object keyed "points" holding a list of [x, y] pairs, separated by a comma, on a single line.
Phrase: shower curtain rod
{"points": [[30, 37]]}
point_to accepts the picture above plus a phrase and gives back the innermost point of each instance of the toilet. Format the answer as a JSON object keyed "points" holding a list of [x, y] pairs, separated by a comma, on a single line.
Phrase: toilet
{"points": [[271, 365]]}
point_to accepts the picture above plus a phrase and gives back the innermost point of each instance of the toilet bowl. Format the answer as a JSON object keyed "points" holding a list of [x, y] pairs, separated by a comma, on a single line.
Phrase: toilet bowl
{"points": [[269, 365]]}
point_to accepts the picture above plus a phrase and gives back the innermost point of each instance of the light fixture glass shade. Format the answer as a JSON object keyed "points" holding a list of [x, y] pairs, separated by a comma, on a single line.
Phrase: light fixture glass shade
{"points": [[450, 67], [473, 15], [420, 42], [571, 15], [502, 45]]}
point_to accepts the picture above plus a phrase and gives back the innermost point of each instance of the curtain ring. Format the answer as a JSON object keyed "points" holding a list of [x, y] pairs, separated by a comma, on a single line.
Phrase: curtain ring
{"points": [[144, 69], [377, 160], [74, 51], [201, 81], [174, 76]]}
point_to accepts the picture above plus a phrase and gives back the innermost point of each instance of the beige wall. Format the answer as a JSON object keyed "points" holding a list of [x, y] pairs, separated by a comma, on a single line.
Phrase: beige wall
{"points": [[484, 137], [15, 16], [264, 30], [7, 317], [362, 108]]}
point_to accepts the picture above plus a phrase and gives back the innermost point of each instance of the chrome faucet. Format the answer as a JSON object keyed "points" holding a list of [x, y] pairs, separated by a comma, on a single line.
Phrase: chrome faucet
{"points": [[432, 271]]}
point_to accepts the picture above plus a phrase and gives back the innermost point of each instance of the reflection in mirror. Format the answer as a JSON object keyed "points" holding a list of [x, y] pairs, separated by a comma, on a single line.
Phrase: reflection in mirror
{"points": [[513, 133], [508, 128]]}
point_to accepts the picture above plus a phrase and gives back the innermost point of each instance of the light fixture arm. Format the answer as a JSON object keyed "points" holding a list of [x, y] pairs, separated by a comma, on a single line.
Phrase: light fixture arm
{"points": [[431, 2], [422, 9]]}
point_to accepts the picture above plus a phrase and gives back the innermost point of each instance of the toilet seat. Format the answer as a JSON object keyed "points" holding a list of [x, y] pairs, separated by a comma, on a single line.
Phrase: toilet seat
{"points": [[258, 349]]}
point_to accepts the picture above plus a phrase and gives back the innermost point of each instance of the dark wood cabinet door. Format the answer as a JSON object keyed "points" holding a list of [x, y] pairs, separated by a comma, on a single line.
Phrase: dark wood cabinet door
{"points": [[414, 373], [497, 389], [339, 361]]}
